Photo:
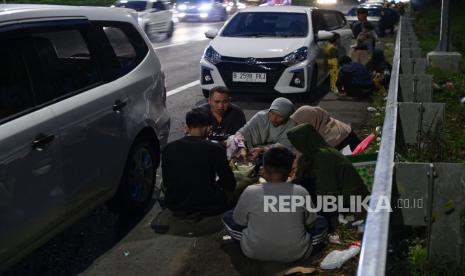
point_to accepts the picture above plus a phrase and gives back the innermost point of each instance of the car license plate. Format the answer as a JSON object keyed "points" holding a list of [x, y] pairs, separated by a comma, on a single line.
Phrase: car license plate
{"points": [[248, 77]]}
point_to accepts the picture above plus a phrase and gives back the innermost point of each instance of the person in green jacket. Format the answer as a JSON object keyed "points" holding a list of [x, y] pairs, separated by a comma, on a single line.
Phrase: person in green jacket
{"points": [[322, 169]]}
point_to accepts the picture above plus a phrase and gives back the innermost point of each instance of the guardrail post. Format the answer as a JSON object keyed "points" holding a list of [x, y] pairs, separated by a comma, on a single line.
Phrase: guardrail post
{"points": [[433, 196], [416, 88], [410, 52], [419, 120], [413, 66]]}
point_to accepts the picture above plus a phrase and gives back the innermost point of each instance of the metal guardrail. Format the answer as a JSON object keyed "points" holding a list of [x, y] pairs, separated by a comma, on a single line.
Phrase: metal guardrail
{"points": [[373, 255]]}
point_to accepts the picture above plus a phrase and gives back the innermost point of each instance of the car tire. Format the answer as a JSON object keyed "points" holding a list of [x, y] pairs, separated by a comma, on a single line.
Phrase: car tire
{"points": [[137, 184], [170, 30]]}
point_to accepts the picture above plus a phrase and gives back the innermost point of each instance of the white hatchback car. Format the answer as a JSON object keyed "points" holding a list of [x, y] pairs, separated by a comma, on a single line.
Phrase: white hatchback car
{"points": [[82, 119], [277, 49]]}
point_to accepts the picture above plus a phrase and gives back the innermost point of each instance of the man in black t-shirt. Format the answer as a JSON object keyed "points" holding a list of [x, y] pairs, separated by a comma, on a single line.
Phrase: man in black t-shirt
{"points": [[227, 118], [196, 174]]}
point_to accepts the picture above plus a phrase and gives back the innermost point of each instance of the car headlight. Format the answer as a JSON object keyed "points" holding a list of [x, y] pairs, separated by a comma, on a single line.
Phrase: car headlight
{"points": [[296, 56], [182, 7], [205, 7], [211, 55]]}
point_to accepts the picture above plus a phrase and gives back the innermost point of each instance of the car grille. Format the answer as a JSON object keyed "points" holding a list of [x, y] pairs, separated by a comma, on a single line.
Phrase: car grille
{"points": [[271, 66]]}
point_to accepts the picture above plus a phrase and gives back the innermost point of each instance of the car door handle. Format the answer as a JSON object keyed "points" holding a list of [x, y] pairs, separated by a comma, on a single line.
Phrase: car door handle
{"points": [[42, 140], [119, 105]]}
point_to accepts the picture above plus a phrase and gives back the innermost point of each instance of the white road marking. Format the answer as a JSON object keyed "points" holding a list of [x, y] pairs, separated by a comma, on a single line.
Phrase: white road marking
{"points": [[181, 88], [170, 45]]}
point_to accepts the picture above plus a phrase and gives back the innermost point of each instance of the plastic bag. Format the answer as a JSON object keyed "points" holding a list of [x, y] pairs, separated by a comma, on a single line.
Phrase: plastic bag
{"points": [[336, 258]]}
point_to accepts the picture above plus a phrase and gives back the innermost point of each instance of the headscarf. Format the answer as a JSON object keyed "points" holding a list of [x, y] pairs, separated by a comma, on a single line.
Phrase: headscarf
{"points": [[333, 173], [282, 106], [332, 130], [259, 131]]}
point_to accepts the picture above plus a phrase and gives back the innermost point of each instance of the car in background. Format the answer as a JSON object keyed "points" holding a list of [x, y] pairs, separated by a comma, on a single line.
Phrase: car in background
{"points": [[326, 2], [83, 118], [232, 6], [381, 17], [154, 17], [272, 50], [201, 10]]}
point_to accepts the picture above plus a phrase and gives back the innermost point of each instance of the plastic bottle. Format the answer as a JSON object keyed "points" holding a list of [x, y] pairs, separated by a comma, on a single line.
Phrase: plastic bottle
{"points": [[337, 258]]}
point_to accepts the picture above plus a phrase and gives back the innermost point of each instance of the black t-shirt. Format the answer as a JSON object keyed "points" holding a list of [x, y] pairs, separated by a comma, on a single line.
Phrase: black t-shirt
{"points": [[190, 167], [233, 120]]}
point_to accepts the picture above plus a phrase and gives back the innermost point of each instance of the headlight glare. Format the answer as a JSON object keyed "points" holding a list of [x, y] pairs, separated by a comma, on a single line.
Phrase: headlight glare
{"points": [[295, 57], [212, 56]]}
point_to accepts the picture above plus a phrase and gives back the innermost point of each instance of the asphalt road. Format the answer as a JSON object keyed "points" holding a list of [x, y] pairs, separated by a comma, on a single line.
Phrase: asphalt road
{"points": [[101, 244]]}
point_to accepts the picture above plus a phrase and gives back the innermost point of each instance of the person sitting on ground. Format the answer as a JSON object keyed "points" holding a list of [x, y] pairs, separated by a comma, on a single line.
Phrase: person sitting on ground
{"points": [[362, 16], [323, 170], [367, 37], [196, 174], [353, 79], [379, 69], [270, 234], [336, 133], [268, 127], [227, 118]]}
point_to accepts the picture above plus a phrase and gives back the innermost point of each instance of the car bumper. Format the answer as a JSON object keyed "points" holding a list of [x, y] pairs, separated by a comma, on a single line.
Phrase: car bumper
{"points": [[279, 78], [192, 16]]}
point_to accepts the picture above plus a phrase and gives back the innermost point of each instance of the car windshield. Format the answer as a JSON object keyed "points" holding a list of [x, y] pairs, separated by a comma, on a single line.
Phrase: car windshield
{"points": [[267, 24], [371, 12], [135, 5]]}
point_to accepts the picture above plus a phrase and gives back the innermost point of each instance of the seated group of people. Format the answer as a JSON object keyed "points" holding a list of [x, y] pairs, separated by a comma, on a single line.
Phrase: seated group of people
{"points": [[298, 150], [365, 71]]}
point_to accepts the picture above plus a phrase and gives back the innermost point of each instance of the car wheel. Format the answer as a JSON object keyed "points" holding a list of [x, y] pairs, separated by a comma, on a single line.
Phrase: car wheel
{"points": [[170, 29], [138, 182]]}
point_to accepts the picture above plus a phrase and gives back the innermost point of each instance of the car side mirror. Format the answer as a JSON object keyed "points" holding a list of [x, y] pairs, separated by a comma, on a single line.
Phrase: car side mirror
{"points": [[211, 34], [324, 35]]}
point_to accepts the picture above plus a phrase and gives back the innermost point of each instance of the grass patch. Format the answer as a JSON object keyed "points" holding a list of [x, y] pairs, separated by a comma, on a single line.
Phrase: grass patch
{"points": [[409, 248], [378, 100], [448, 145]]}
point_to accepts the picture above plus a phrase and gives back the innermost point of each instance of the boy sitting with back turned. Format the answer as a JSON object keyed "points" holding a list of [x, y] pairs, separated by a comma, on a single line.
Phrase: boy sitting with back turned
{"points": [[275, 235]]}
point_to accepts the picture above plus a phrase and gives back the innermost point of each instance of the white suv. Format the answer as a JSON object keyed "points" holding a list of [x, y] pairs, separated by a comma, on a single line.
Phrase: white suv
{"points": [[272, 50], [82, 119]]}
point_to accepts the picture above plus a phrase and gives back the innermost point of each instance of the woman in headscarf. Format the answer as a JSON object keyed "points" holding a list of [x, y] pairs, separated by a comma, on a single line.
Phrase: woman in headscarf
{"points": [[336, 133], [269, 126], [322, 169]]}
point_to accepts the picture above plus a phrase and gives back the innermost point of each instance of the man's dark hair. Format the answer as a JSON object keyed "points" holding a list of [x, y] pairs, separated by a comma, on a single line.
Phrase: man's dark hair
{"points": [[218, 89], [344, 60], [335, 37], [368, 26], [362, 11], [278, 160], [198, 117]]}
